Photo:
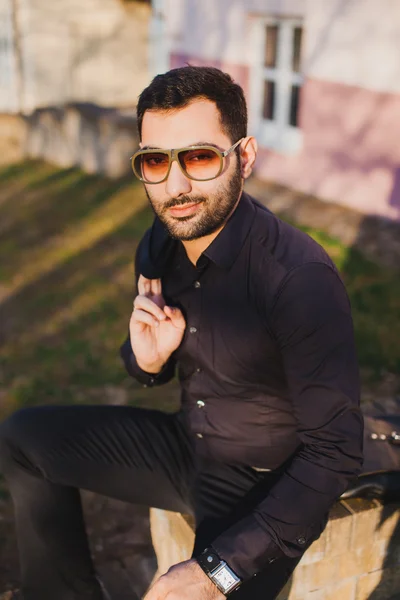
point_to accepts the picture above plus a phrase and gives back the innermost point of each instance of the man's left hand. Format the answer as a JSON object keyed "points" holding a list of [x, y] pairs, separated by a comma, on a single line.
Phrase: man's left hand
{"points": [[184, 581]]}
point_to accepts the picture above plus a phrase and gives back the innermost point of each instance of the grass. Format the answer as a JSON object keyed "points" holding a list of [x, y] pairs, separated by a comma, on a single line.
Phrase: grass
{"points": [[67, 241]]}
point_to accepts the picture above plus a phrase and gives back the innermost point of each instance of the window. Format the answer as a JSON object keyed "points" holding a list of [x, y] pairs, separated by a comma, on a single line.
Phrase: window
{"points": [[276, 83]]}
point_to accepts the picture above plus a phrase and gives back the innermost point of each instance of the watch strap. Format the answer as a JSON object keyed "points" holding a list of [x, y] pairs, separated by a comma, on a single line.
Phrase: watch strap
{"points": [[212, 565], [209, 560]]}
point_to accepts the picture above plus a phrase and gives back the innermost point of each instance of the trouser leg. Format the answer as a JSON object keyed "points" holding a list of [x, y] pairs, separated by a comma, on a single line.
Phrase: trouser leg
{"points": [[47, 453], [223, 495]]}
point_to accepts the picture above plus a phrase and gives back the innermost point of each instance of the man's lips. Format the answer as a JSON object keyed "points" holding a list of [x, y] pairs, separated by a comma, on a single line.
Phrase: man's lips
{"points": [[184, 210]]}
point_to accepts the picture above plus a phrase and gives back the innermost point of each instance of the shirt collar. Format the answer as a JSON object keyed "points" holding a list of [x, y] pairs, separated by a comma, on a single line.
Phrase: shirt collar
{"points": [[225, 248]]}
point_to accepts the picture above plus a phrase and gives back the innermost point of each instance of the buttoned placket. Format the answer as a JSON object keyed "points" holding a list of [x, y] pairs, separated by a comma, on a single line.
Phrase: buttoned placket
{"points": [[195, 332]]}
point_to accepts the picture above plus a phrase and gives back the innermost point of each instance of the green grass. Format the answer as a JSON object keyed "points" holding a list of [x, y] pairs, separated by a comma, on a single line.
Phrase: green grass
{"points": [[67, 241]]}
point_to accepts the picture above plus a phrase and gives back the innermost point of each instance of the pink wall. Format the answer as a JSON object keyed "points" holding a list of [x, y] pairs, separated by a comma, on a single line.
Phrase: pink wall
{"points": [[351, 151], [351, 144]]}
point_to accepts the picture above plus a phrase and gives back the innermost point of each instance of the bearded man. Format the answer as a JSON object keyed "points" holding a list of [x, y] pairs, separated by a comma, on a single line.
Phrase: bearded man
{"points": [[253, 315]]}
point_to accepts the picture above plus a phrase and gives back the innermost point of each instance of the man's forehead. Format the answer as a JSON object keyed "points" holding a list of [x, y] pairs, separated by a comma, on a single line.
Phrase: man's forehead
{"points": [[196, 123]]}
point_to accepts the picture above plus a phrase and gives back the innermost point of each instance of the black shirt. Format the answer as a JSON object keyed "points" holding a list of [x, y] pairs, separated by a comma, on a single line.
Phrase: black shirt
{"points": [[268, 371]]}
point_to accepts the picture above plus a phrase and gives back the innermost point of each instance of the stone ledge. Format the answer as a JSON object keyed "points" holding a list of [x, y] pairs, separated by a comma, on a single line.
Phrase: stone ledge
{"points": [[359, 552], [94, 138], [376, 237]]}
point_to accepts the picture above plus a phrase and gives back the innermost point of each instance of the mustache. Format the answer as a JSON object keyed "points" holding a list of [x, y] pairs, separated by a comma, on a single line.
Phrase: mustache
{"points": [[183, 200]]}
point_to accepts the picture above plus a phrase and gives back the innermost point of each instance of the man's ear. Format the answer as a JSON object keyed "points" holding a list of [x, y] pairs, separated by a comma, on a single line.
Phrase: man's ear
{"points": [[248, 154]]}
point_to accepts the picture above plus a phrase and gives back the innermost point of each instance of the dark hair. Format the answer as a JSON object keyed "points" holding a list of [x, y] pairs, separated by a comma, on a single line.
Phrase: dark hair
{"points": [[178, 87]]}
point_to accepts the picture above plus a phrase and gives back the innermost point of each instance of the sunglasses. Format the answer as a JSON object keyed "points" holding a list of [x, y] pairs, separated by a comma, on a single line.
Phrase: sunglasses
{"points": [[200, 163]]}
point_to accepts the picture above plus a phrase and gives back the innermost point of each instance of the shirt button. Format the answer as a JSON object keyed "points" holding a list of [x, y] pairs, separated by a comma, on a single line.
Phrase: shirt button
{"points": [[198, 370], [301, 540], [192, 329], [200, 403], [197, 284], [199, 435]]}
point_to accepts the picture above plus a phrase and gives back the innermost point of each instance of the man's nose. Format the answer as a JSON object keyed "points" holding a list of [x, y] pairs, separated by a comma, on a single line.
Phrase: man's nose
{"points": [[177, 184]]}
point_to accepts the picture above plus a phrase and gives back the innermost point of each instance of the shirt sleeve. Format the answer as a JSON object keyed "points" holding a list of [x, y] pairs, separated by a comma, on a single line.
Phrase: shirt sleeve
{"points": [[312, 325], [126, 352], [147, 379]]}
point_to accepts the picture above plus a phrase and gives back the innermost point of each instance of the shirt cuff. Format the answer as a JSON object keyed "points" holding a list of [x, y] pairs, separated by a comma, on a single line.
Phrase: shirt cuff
{"points": [[246, 547], [147, 379]]}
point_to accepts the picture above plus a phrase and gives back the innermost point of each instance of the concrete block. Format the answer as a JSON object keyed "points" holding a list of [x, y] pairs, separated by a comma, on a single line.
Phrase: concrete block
{"points": [[173, 538], [366, 515], [361, 560], [316, 551], [338, 531], [13, 132], [379, 585], [344, 590]]}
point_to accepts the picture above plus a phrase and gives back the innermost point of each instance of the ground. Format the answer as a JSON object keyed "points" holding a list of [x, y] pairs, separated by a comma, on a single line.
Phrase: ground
{"points": [[67, 241]]}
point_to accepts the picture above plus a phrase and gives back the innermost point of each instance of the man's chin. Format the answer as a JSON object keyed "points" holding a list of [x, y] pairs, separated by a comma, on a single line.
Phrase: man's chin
{"points": [[181, 228]]}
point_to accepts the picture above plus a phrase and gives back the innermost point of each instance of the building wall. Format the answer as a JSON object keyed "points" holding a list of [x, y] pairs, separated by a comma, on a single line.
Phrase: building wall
{"points": [[350, 108], [8, 71], [354, 42], [219, 31], [350, 100], [91, 51]]}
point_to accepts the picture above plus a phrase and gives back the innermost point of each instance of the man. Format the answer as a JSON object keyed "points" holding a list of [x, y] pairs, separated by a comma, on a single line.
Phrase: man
{"points": [[254, 315]]}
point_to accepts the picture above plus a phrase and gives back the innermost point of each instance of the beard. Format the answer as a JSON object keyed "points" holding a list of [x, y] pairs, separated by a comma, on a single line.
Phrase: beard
{"points": [[214, 211]]}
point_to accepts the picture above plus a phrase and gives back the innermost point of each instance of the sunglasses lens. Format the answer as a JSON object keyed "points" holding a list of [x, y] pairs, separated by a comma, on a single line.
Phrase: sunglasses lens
{"points": [[200, 163], [152, 166]]}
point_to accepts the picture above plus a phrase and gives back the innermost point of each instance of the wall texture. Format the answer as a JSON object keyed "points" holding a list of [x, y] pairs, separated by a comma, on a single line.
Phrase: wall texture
{"points": [[354, 42], [92, 51], [356, 558], [350, 148], [96, 139], [350, 100]]}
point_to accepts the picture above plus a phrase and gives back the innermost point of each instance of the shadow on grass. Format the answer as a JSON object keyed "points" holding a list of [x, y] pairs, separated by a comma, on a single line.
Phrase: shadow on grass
{"points": [[66, 281], [66, 289], [45, 206]]}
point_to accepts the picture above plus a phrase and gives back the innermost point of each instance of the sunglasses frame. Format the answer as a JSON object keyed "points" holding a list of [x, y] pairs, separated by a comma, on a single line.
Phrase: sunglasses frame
{"points": [[173, 154]]}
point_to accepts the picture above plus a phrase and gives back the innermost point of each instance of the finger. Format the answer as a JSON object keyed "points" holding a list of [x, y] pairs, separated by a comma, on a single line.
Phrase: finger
{"points": [[155, 287], [141, 285], [141, 316], [148, 305], [176, 316]]}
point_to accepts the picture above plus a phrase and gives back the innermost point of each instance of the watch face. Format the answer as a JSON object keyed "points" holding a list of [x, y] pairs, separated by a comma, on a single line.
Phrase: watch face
{"points": [[224, 578]]}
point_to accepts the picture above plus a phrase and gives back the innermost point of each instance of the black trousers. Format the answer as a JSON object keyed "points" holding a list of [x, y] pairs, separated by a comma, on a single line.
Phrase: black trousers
{"points": [[140, 456]]}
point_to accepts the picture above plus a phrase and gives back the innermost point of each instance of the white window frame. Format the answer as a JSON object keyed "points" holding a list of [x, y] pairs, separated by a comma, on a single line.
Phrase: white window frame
{"points": [[276, 134]]}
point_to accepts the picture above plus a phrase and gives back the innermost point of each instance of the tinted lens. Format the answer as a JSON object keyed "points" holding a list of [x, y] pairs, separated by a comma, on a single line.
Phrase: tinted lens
{"points": [[201, 163], [152, 166]]}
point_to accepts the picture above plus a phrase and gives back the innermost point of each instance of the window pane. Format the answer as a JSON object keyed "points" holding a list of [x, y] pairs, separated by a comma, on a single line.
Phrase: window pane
{"points": [[294, 105], [271, 45], [297, 35], [269, 100]]}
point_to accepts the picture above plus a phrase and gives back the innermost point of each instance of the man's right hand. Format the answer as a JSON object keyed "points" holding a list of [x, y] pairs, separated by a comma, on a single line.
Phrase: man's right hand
{"points": [[156, 330]]}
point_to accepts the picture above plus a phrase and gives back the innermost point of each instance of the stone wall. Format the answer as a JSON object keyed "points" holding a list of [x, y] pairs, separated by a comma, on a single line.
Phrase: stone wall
{"points": [[12, 138], [98, 140], [356, 558]]}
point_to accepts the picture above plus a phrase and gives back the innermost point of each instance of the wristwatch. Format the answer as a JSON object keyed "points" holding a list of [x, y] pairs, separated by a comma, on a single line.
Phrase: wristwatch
{"points": [[218, 571]]}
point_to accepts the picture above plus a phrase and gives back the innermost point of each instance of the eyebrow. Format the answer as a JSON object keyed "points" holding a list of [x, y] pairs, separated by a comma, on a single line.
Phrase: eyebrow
{"points": [[188, 146]]}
